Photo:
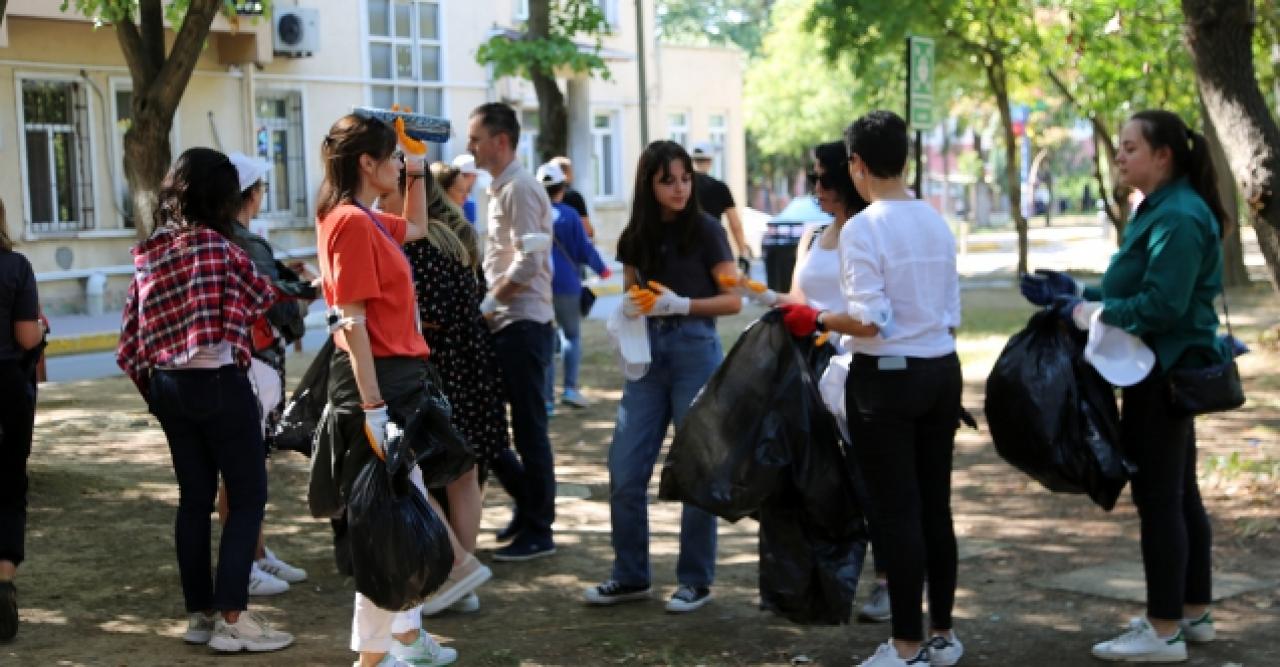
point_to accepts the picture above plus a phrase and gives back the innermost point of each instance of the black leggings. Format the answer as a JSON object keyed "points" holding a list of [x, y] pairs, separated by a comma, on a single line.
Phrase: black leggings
{"points": [[1176, 537], [903, 424], [17, 419]]}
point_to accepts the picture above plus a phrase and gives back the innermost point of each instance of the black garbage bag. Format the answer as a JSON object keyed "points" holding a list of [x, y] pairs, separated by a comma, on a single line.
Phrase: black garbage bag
{"points": [[441, 452], [296, 429], [1053, 416], [813, 537], [399, 548], [738, 435]]}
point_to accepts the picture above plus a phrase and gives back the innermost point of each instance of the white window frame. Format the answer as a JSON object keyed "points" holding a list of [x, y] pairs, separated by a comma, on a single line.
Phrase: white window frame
{"points": [[119, 183], [615, 132], [679, 133], [522, 10], [415, 42], [90, 154], [718, 137], [290, 218], [610, 8], [527, 147]]}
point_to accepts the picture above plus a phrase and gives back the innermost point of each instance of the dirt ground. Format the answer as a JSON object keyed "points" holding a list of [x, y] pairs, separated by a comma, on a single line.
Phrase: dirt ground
{"points": [[101, 587]]}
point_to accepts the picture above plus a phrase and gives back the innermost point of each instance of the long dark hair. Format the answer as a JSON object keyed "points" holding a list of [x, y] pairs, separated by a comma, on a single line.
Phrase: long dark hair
{"points": [[349, 138], [1191, 158], [641, 242], [834, 158], [201, 188]]}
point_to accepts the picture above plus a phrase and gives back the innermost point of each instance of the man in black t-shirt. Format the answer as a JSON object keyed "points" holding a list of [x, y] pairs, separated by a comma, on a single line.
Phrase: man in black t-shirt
{"points": [[572, 198], [715, 198]]}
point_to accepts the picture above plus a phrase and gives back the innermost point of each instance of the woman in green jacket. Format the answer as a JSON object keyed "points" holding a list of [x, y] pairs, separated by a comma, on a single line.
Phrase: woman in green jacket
{"points": [[1160, 286]]}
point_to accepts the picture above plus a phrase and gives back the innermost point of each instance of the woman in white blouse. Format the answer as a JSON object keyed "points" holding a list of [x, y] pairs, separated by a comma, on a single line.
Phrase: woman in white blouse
{"points": [[901, 307]]}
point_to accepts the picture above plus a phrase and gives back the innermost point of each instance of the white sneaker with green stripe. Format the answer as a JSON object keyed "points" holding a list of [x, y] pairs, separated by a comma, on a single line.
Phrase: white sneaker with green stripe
{"points": [[1140, 643], [1198, 630]]}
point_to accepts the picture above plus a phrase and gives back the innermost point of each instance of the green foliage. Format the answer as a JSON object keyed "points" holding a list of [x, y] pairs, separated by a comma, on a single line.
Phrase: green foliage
{"points": [[115, 11], [738, 22], [568, 18]]}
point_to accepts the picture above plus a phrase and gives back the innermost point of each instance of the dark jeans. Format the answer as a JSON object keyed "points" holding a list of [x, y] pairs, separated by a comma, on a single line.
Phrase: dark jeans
{"points": [[1176, 537], [17, 419], [211, 420], [524, 355], [903, 425]]}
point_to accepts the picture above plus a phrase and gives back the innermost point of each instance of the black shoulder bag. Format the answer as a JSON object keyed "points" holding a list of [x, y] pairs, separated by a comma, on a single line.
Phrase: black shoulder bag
{"points": [[1216, 388]]}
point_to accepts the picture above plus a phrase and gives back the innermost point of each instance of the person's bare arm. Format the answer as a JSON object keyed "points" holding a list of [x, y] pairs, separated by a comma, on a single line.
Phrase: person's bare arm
{"points": [[415, 206], [739, 236], [356, 336], [28, 333], [727, 302]]}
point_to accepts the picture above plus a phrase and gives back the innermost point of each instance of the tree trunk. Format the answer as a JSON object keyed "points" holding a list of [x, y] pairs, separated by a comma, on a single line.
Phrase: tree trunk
{"points": [[1115, 197], [1219, 34], [1234, 272], [3, 5], [159, 81], [998, 79], [553, 113]]}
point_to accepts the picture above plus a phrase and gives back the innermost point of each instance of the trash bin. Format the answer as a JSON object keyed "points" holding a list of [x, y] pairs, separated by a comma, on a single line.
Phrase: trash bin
{"points": [[782, 235]]}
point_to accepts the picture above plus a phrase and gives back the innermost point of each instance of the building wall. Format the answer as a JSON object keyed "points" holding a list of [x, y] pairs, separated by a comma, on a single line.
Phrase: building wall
{"points": [[219, 110]]}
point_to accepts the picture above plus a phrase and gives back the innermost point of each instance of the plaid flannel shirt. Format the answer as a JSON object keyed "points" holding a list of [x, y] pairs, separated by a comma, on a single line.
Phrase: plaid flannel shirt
{"points": [[191, 288]]}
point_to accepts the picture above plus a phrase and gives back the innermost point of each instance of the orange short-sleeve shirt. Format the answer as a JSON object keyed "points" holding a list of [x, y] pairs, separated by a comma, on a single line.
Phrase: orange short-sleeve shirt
{"points": [[358, 262]]}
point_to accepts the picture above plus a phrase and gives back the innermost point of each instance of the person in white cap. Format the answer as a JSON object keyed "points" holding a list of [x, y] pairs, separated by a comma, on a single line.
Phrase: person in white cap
{"points": [[572, 250], [717, 201], [281, 325], [464, 183]]}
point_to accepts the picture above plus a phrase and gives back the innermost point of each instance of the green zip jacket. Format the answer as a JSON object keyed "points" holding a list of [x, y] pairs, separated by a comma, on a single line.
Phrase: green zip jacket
{"points": [[1162, 282]]}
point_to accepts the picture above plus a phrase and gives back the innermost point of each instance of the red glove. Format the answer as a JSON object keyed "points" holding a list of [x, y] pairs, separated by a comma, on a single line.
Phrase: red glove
{"points": [[801, 320]]}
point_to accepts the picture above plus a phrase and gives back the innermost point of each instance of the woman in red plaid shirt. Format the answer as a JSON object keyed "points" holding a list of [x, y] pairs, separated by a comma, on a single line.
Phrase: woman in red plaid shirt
{"points": [[186, 342]]}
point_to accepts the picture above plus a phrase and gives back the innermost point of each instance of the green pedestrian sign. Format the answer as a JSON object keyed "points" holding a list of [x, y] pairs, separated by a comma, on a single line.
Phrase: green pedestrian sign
{"points": [[920, 83]]}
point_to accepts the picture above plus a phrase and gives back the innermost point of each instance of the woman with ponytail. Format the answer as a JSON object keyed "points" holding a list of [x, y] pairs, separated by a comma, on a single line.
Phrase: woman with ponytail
{"points": [[1160, 286]]}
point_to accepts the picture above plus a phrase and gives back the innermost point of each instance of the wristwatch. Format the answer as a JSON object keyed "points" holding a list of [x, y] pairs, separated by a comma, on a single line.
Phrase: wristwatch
{"points": [[818, 322]]}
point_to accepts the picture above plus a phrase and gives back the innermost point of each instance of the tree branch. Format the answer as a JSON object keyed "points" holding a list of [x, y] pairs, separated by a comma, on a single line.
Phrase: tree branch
{"points": [[151, 19], [173, 77], [140, 67]]}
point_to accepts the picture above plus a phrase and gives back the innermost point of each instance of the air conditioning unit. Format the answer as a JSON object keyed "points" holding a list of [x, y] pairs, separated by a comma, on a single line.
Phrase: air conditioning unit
{"points": [[295, 31]]}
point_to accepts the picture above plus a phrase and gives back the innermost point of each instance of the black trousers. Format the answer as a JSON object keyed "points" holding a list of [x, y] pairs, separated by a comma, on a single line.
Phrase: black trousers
{"points": [[17, 420], [1176, 537], [903, 425]]}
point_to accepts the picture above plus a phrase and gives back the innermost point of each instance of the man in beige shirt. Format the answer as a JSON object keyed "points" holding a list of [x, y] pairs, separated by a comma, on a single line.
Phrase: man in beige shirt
{"points": [[517, 266]]}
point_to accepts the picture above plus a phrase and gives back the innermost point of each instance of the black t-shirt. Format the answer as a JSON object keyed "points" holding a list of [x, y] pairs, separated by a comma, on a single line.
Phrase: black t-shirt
{"points": [[574, 200], [713, 195], [18, 300], [690, 275]]}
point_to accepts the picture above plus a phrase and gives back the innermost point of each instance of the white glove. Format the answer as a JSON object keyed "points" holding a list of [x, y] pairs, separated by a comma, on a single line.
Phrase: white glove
{"points": [[668, 303], [488, 305], [629, 308], [376, 421], [1082, 314], [766, 298]]}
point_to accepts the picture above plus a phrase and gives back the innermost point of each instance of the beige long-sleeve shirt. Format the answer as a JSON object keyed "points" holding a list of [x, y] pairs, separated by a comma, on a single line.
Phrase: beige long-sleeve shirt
{"points": [[518, 205]]}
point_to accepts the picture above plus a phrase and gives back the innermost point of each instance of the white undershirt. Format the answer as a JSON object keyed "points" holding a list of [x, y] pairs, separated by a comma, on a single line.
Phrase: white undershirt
{"points": [[898, 271], [204, 358]]}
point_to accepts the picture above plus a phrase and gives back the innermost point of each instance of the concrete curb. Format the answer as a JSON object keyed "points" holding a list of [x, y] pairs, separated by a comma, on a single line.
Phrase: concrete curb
{"points": [[82, 344]]}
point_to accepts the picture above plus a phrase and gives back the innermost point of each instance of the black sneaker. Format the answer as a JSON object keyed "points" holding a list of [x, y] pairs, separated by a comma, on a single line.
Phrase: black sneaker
{"points": [[8, 611], [688, 598], [525, 548], [612, 592]]}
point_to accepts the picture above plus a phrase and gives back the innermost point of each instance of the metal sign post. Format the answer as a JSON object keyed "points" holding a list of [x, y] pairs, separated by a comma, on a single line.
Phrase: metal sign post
{"points": [[920, 65]]}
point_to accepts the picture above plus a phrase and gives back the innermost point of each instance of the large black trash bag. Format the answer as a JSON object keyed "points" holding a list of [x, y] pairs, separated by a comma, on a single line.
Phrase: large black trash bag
{"points": [[739, 433], [297, 426], [399, 547], [808, 574], [1053, 416], [441, 452]]}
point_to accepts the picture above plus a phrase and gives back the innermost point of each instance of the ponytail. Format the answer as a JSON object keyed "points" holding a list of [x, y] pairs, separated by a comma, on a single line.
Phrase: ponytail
{"points": [[1191, 156]]}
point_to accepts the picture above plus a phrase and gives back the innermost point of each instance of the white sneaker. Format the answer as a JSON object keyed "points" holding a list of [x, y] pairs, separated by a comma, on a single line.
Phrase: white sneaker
{"points": [[1198, 630], [280, 569], [944, 651], [464, 578], [250, 632], [1140, 643], [262, 583], [199, 628], [877, 610], [887, 656], [469, 604], [423, 652]]}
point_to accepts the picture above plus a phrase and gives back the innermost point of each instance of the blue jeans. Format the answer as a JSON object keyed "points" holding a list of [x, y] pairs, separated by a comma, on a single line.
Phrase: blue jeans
{"points": [[685, 352], [211, 420], [569, 318], [524, 353]]}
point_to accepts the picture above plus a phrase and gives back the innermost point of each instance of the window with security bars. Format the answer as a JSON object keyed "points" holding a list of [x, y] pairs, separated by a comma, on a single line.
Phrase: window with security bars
{"points": [[279, 142], [404, 54], [606, 156], [55, 135]]}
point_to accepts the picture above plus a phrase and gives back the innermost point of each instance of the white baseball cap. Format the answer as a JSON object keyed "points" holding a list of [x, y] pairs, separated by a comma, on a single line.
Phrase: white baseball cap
{"points": [[249, 170], [550, 174], [465, 163], [702, 151]]}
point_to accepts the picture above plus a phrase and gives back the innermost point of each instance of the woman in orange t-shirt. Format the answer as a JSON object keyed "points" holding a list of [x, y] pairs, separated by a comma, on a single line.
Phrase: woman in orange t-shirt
{"points": [[367, 279]]}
